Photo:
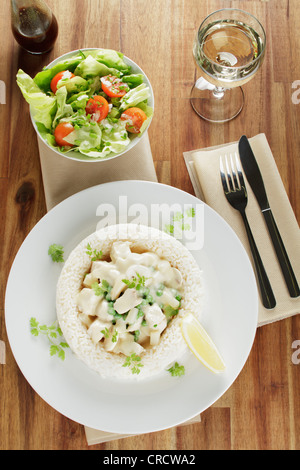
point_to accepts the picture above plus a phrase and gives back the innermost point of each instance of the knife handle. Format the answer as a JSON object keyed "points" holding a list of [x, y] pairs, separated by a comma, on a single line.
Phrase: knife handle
{"points": [[266, 291], [282, 256]]}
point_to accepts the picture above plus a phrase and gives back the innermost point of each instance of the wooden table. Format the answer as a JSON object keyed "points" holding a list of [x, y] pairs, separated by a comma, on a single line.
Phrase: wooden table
{"points": [[262, 408]]}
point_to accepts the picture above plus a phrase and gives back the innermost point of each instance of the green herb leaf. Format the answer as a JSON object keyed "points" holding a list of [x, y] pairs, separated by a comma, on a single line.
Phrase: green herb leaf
{"points": [[53, 350], [56, 252], [137, 282], [178, 217], [134, 362], [130, 284], [52, 332], [191, 212], [105, 332], [114, 338], [169, 229], [176, 370], [170, 312], [97, 289], [94, 254]]}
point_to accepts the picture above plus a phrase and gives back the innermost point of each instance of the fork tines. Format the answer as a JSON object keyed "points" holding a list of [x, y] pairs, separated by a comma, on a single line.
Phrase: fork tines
{"points": [[234, 179]]}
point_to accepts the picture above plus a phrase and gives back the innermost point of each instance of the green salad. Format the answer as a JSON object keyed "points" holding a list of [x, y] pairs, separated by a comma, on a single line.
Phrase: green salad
{"points": [[92, 103]]}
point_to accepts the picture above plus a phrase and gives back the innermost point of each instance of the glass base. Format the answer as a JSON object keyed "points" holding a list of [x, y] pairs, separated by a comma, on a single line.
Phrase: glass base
{"points": [[216, 105], [37, 52]]}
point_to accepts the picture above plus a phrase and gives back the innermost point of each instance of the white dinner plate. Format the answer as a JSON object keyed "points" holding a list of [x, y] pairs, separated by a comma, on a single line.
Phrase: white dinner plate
{"points": [[230, 311]]}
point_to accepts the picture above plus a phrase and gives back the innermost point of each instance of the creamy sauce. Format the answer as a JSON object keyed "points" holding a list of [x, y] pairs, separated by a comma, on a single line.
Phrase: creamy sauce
{"points": [[127, 302]]}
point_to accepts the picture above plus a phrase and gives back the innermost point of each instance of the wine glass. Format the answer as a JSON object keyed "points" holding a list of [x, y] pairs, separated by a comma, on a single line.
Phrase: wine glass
{"points": [[229, 49]]}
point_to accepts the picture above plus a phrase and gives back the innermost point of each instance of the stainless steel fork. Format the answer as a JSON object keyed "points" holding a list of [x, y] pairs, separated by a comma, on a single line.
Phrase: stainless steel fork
{"points": [[236, 193]]}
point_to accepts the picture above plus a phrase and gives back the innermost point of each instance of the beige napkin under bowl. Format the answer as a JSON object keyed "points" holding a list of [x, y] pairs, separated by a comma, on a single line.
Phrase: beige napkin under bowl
{"points": [[204, 169], [63, 177]]}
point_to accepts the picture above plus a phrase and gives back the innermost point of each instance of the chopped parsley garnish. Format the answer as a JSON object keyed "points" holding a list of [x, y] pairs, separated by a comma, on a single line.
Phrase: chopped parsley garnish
{"points": [[53, 333], [170, 312], [105, 332], [134, 362], [178, 221], [56, 252], [176, 370], [94, 254], [191, 212], [136, 282], [101, 289], [178, 216], [114, 337], [97, 289]]}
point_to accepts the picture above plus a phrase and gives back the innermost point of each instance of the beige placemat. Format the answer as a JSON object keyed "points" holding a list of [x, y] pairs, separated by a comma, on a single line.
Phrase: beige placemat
{"points": [[63, 177], [204, 169], [94, 437]]}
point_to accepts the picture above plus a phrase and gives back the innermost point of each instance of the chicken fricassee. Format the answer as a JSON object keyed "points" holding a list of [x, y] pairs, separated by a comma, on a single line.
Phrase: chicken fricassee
{"points": [[127, 301]]}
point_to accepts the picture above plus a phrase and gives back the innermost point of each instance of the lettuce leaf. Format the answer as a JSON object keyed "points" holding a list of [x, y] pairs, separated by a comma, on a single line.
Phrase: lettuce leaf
{"points": [[112, 59], [79, 100], [100, 140], [114, 135], [73, 84], [63, 109], [148, 110], [86, 137], [133, 80], [90, 67], [134, 96], [42, 106], [43, 78]]}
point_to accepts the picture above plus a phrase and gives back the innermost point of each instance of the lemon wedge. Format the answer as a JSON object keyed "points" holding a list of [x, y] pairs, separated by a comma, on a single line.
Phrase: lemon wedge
{"points": [[200, 343]]}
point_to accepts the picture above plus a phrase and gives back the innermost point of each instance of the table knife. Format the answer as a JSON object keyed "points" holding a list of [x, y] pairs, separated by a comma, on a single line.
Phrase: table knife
{"points": [[255, 180]]}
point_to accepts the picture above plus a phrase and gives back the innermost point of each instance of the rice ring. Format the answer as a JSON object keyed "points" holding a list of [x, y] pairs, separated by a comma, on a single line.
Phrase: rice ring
{"points": [[172, 344]]}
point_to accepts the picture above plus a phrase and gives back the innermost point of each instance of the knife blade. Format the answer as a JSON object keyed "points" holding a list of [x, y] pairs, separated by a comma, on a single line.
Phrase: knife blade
{"points": [[255, 180]]}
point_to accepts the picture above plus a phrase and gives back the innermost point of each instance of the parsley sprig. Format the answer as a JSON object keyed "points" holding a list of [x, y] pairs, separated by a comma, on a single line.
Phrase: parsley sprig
{"points": [[178, 223], [134, 362], [56, 252], [101, 289], [176, 370], [94, 254], [136, 282], [105, 332], [53, 333]]}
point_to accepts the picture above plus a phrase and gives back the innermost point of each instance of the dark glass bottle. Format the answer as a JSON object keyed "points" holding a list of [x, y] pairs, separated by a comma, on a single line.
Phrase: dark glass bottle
{"points": [[34, 26]]}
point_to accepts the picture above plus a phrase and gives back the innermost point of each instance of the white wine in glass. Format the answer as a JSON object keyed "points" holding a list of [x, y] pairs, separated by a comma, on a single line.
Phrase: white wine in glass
{"points": [[228, 49]]}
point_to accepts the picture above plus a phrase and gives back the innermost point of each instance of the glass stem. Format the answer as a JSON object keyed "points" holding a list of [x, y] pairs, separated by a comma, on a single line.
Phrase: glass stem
{"points": [[219, 92]]}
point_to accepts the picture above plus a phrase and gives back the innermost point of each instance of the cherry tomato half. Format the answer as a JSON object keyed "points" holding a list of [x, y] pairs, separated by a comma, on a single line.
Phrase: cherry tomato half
{"points": [[113, 86], [61, 131], [134, 118], [59, 76], [98, 107]]}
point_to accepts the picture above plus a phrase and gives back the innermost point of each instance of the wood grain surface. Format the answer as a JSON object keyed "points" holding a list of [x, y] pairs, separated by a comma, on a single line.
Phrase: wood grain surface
{"points": [[261, 410]]}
